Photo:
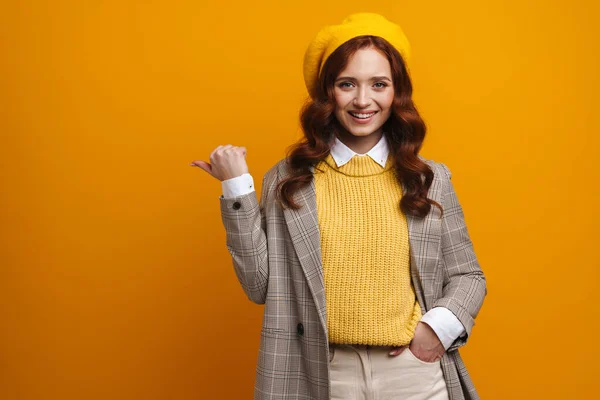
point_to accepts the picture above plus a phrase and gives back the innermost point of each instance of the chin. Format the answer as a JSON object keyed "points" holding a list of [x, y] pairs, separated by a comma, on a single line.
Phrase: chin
{"points": [[366, 131]]}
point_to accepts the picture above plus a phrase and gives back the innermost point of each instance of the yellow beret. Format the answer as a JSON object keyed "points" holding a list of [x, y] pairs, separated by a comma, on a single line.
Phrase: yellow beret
{"points": [[331, 37]]}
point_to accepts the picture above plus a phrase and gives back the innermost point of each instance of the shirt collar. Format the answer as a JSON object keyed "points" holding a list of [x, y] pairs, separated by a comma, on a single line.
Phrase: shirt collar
{"points": [[342, 153]]}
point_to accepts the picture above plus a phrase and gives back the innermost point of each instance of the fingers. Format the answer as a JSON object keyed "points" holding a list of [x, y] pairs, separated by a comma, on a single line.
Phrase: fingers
{"points": [[427, 355], [225, 161], [223, 149], [397, 350], [214, 152], [233, 149]]}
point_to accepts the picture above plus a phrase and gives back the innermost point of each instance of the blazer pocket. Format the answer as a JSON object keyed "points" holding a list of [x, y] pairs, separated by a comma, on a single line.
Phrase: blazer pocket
{"points": [[277, 332]]}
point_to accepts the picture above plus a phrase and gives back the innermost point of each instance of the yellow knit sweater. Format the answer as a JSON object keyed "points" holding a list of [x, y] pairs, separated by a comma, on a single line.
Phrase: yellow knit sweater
{"points": [[365, 253]]}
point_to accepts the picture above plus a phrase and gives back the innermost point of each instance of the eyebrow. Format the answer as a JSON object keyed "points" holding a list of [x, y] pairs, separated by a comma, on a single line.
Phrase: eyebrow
{"points": [[375, 78]]}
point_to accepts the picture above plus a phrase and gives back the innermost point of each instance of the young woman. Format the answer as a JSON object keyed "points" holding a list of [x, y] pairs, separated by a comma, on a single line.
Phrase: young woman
{"points": [[358, 247]]}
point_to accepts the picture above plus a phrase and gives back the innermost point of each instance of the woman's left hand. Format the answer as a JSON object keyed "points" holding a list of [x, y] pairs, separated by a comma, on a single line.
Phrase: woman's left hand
{"points": [[426, 346]]}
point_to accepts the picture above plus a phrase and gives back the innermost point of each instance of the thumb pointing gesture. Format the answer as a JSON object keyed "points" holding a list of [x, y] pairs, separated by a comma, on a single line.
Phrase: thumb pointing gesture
{"points": [[226, 162]]}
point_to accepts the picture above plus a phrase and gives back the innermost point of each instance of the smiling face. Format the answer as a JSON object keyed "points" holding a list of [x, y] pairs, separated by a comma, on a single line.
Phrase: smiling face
{"points": [[364, 93]]}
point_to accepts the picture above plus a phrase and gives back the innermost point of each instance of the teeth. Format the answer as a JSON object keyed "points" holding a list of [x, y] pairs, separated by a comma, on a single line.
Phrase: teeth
{"points": [[362, 116]]}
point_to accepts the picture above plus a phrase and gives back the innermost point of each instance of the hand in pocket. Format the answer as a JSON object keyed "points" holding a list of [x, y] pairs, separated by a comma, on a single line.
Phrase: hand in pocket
{"points": [[426, 346]]}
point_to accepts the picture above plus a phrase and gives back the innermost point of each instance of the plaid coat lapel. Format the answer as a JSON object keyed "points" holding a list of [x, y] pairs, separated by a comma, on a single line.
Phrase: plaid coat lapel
{"points": [[425, 240], [303, 226]]}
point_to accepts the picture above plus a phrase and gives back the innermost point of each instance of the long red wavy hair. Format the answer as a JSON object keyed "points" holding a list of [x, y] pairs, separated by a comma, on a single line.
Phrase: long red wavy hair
{"points": [[404, 131]]}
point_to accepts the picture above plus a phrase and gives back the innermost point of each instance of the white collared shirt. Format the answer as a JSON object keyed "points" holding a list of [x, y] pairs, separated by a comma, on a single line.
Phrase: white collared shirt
{"points": [[342, 153], [443, 322]]}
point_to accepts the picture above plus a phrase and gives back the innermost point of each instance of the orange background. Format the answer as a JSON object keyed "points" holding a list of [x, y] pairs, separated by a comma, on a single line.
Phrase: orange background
{"points": [[115, 279]]}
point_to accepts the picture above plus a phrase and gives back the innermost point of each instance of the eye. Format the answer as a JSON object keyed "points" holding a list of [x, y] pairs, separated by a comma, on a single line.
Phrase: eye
{"points": [[345, 84], [383, 84]]}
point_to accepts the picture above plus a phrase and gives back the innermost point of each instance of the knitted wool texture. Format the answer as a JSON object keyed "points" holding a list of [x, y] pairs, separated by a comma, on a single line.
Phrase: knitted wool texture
{"points": [[365, 253]]}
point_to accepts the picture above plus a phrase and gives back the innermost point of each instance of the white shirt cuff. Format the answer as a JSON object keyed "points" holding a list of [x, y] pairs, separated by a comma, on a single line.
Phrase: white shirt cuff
{"points": [[445, 324], [237, 186]]}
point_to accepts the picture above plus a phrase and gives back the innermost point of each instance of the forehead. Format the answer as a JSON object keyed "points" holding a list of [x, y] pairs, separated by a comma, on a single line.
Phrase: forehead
{"points": [[367, 62]]}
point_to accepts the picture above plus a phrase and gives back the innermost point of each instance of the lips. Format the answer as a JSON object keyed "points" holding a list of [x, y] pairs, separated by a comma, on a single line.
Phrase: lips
{"points": [[362, 114], [362, 117]]}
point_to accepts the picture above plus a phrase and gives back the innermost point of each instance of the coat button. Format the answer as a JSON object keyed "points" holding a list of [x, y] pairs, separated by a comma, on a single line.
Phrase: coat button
{"points": [[300, 329], [236, 205]]}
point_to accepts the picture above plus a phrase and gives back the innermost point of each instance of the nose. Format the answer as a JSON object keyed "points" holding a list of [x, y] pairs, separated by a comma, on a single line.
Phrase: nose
{"points": [[362, 99]]}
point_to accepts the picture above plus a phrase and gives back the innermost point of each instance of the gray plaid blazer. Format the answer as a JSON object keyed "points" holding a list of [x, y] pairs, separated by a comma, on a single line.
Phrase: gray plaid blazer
{"points": [[277, 259]]}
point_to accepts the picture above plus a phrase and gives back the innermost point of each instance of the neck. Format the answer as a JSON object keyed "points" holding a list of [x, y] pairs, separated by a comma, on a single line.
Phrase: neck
{"points": [[360, 144]]}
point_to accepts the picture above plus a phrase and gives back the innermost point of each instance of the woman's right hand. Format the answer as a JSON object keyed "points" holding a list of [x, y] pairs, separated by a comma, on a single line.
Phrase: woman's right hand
{"points": [[226, 162]]}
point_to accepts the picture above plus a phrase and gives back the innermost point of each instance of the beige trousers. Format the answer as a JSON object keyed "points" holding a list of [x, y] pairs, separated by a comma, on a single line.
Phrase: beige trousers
{"points": [[363, 372]]}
